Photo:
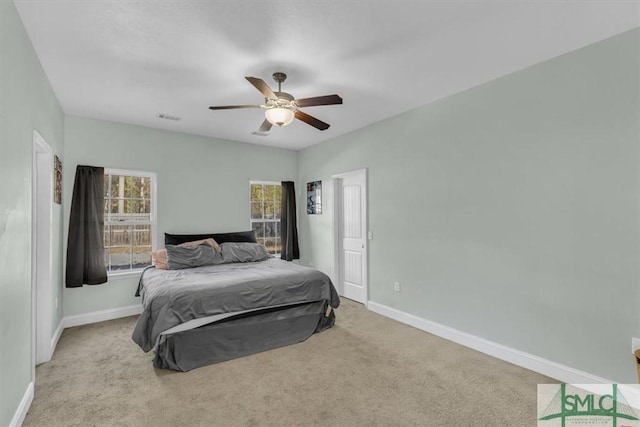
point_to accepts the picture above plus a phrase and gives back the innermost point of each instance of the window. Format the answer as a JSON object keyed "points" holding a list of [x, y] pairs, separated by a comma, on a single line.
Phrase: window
{"points": [[265, 214], [129, 219]]}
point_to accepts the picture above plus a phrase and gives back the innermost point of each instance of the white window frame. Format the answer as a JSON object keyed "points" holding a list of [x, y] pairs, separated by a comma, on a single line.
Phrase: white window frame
{"points": [[279, 220], [153, 215]]}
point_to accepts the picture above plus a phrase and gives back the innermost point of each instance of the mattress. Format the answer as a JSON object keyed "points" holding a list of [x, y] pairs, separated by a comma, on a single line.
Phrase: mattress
{"points": [[177, 301]]}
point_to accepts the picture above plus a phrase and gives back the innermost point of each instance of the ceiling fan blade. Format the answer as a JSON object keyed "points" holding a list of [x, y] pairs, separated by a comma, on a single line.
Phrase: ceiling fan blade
{"points": [[265, 126], [262, 87], [232, 107], [319, 100], [310, 120]]}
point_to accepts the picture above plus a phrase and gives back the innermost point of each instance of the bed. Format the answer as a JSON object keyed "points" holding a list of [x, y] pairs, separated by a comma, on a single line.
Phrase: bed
{"points": [[198, 316]]}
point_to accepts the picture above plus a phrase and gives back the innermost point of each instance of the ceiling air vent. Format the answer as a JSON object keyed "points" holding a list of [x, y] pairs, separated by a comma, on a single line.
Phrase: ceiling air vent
{"points": [[168, 117], [258, 133]]}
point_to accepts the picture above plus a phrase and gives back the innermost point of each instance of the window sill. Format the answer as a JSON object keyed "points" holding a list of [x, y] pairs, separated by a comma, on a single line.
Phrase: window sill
{"points": [[124, 274]]}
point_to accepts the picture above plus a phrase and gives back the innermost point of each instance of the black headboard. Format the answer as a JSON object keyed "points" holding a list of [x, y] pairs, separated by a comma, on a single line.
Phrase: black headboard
{"points": [[236, 236]]}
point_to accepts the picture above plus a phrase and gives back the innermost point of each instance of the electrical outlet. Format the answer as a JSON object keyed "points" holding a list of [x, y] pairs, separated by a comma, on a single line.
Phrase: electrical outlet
{"points": [[396, 286], [635, 344], [370, 235]]}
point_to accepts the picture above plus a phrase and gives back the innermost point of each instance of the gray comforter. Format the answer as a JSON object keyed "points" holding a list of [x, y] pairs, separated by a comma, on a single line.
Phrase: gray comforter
{"points": [[173, 297]]}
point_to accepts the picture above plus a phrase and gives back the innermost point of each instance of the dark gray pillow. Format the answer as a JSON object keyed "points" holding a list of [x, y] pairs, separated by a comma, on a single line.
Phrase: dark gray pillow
{"points": [[179, 257], [243, 252]]}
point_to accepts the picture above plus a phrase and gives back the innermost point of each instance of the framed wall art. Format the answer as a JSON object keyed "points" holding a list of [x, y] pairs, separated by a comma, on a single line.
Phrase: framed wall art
{"points": [[57, 186], [314, 197]]}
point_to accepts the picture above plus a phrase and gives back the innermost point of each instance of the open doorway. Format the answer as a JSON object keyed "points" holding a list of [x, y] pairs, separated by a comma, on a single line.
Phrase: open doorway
{"points": [[41, 251]]}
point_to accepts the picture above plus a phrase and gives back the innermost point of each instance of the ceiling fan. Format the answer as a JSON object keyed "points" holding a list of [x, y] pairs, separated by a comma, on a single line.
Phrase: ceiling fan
{"points": [[281, 107]]}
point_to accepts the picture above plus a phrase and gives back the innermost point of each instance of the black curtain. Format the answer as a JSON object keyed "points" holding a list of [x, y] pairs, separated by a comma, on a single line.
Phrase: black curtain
{"points": [[288, 230], [85, 247]]}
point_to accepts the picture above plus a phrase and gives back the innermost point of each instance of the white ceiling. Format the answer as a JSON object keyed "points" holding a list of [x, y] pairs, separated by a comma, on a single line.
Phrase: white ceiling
{"points": [[127, 61]]}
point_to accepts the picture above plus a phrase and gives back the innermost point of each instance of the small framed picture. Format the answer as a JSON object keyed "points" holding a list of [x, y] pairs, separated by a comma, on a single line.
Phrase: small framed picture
{"points": [[57, 188], [314, 197]]}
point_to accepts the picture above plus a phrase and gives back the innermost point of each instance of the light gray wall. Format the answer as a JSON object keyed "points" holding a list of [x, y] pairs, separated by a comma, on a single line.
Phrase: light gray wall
{"points": [[203, 186], [508, 211], [26, 103]]}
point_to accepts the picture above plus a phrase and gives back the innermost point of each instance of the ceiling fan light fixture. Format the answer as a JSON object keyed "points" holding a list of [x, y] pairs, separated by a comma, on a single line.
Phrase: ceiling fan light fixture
{"points": [[279, 116]]}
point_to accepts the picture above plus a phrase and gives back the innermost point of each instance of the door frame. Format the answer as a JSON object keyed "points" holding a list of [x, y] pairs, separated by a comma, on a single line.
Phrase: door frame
{"points": [[41, 290], [337, 238]]}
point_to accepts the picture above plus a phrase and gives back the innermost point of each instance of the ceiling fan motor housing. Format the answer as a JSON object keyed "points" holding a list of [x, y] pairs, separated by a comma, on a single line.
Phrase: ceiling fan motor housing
{"points": [[284, 95]]}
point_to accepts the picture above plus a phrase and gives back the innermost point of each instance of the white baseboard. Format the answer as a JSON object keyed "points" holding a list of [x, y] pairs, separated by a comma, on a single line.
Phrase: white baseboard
{"points": [[25, 403], [546, 367], [101, 316]]}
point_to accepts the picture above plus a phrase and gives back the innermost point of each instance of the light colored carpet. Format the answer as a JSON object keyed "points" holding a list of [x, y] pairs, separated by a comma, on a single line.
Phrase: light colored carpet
{"points": [[366, 371]]}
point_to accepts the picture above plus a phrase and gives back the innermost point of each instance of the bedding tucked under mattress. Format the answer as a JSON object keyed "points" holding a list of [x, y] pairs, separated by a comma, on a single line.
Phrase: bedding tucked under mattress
{"points": [[176, 297]]}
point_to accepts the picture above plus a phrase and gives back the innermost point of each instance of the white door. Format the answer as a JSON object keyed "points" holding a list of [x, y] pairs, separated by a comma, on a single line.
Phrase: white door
{"points": [[353, 235]]}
